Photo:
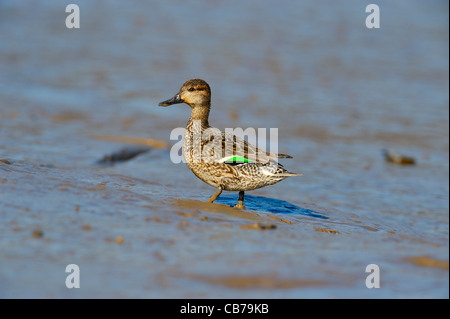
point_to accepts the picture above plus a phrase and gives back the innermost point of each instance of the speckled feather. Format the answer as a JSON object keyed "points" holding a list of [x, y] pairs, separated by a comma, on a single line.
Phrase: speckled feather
{"points": [[205, 148], [242, 177]]}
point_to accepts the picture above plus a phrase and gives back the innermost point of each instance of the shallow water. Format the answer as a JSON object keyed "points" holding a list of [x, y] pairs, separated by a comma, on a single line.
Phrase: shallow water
{"points": [[338, 93]]}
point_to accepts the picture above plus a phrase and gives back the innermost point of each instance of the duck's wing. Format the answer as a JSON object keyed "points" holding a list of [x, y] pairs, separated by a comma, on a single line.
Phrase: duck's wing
{"points": [[236, 149]]}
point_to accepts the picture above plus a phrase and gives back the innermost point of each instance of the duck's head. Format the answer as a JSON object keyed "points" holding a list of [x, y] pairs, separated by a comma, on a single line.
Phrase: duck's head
{"points": [[194, 92]]}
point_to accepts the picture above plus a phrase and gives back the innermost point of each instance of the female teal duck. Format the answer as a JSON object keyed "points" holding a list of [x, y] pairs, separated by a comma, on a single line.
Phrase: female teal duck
{"points": [[220, 159]]}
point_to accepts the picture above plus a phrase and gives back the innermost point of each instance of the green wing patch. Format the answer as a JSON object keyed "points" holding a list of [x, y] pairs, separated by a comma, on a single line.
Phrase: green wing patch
{"points": [[235, 160]]}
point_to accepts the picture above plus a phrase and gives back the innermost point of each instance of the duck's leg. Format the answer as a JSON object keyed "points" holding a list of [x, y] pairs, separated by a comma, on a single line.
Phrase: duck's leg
{"points": [[240, 203], [214, 197]]}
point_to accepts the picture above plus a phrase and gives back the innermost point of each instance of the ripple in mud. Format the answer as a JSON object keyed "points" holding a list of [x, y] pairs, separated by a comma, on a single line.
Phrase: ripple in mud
{"points": [[122, 155]]}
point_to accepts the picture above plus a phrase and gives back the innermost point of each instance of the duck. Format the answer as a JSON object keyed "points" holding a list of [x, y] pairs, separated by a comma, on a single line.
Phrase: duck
{"points": [[223, 160]]}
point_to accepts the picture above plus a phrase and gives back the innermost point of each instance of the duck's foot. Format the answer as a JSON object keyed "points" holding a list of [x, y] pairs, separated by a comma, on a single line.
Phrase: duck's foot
{"points": [[214, 197], [240, 203]]}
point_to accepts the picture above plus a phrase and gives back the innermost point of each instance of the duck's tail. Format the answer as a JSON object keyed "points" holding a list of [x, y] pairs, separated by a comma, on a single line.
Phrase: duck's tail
{"points": [[289, 174], [281, 171]]}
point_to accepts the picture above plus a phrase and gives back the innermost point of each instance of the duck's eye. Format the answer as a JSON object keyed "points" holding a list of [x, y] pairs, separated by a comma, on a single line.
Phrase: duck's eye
{"points": [[191, 89]]}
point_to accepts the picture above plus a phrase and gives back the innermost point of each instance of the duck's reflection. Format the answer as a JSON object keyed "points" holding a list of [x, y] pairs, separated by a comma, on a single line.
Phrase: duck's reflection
{"points": [[271, 205]]}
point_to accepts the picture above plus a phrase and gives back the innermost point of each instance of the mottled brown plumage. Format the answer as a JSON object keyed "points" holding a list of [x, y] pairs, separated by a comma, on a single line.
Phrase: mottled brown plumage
{"points": [[207, 150]]}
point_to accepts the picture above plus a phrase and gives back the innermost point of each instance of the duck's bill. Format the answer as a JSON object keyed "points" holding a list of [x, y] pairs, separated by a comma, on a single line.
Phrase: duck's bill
{"points": [[175, 100]]}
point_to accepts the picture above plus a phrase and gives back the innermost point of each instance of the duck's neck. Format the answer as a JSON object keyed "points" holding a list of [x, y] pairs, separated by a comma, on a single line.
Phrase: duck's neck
{"points": [[200, 113]]}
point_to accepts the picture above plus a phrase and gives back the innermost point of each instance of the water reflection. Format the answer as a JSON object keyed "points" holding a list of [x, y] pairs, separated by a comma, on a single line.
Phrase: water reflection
{"points": [[270, 205]]}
